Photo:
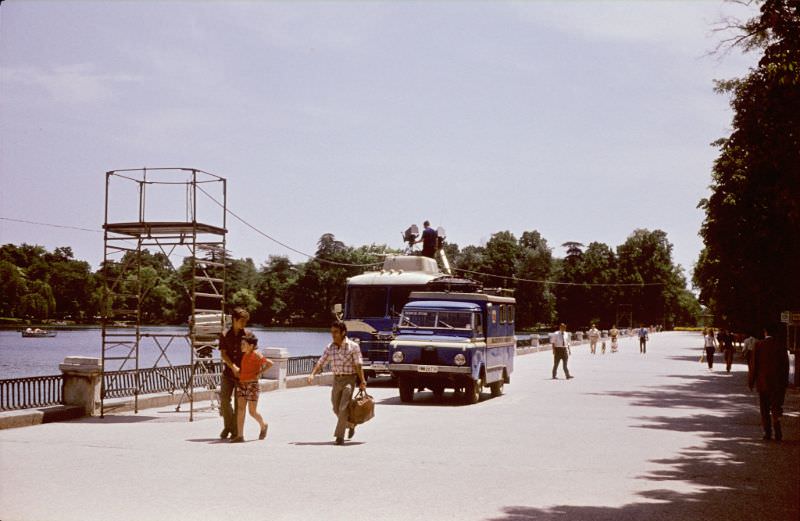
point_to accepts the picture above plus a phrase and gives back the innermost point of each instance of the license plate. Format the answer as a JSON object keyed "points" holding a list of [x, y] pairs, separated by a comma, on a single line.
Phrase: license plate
{"points": [[427, 369]]}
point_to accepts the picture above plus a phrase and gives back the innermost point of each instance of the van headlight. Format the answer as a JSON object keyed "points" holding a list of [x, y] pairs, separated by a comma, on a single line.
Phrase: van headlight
{"points": [[460, 359], [397, 357]]}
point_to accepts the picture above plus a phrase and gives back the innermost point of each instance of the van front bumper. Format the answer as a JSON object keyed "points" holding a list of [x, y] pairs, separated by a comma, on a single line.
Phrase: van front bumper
{"points": [[429, 369]]}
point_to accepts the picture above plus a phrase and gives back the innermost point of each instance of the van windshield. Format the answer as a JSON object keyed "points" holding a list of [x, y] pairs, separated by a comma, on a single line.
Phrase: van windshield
{"points": [[429, 319]]}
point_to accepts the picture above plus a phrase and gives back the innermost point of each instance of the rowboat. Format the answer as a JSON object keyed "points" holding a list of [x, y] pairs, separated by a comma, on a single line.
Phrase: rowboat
{"points": [[37, 333]]}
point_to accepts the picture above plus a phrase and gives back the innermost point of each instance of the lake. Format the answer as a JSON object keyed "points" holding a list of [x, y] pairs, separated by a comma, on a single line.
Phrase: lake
{"points": [[20, 357]]}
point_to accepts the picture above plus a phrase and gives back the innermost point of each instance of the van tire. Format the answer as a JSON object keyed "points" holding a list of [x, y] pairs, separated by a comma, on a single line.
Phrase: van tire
{"points": [[497, 388], [406, 390], [474, 391]]}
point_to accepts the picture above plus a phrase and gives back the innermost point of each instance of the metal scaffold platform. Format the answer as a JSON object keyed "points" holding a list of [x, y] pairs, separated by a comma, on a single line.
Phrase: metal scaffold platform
{"points": [[171, 218]]}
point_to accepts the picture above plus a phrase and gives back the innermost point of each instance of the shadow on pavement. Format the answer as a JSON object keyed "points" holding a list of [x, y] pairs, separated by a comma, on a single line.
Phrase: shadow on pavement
{"points": [[324, 443], [110, 420], [427, 399], [732, 475], [213, 441]]}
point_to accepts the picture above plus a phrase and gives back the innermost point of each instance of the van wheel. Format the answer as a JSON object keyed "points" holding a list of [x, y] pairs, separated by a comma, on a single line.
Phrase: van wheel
{"points": [[497, 388], [406, 390], [474, 391]]}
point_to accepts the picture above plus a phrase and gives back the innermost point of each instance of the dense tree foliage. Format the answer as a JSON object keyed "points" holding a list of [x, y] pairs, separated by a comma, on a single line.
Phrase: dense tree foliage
{"points": [[748, 271], [42, 284]]}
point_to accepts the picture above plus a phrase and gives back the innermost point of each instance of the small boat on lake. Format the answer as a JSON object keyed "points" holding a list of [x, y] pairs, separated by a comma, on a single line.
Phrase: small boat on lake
{"points": [[37, 333]]}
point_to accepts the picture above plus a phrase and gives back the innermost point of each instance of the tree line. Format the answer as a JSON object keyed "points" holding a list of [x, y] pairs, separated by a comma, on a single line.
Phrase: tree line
{"points": [[593, 283]]}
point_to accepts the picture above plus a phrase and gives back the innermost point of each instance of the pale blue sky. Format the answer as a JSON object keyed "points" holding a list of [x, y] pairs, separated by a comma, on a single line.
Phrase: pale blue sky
{"points": [[582, 120]]}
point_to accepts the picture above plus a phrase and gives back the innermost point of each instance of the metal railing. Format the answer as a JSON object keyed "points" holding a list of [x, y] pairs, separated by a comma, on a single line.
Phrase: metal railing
{"points": [[298, 365], [46, 391], [120, 384], [31, 391]]}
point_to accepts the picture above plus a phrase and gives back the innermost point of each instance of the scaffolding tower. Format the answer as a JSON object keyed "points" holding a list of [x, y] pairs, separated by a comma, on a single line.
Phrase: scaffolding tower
{"points": [[175, 217]]}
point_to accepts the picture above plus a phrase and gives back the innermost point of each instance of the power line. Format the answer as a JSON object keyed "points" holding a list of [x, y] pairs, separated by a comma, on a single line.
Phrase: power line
{"points": [[326, 261], [276, 241], [518, 279], [51, 225]]}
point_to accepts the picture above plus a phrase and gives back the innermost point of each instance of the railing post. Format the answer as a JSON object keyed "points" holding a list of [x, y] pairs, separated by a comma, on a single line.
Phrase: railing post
{"points": [[82, 376], [280, 360]]}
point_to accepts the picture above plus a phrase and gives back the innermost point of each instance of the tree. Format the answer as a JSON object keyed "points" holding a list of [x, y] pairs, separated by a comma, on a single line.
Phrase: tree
{"points": [[646, 258], [535, 301], [273, 289], [747, 273], [13, 288]]}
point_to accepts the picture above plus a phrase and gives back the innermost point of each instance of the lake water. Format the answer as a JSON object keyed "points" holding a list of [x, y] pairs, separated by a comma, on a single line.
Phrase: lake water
{"points": [[20, 357]]}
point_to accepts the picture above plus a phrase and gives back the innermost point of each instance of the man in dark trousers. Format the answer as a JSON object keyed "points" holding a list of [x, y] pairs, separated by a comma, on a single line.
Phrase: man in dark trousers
{"points": [[428, 240], [230, 346], [769, 373], [561, 342], [643, 338]]}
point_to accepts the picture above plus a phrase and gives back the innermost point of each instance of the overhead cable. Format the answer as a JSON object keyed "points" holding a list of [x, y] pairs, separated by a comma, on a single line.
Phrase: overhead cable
{"points": [[276, 241]]}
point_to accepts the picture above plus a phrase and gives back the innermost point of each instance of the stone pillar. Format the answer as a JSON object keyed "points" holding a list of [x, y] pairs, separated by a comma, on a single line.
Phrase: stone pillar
{"points": [[280, 360], [535, 340], [82, 379]]}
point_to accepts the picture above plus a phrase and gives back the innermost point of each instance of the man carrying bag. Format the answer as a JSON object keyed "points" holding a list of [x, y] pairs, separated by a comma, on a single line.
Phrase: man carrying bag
{"points": [[362, 408]]}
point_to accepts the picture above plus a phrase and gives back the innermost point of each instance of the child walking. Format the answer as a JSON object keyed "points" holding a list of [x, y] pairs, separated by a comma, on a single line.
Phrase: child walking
{"points": [[247, 390]]}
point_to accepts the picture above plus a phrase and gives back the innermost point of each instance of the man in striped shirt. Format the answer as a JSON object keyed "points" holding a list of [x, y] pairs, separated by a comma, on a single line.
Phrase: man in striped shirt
{"points": [[345, 358]]}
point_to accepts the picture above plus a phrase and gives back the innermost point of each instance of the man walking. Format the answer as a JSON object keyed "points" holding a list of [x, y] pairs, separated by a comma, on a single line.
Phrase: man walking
{"points": [[642, 339], [769, 374], [594, 336], [230, 346], [345, 358], [561, 343]]}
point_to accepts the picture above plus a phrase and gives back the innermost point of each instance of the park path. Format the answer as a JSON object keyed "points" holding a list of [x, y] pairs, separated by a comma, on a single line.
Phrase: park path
{"points": [[651, 437]]}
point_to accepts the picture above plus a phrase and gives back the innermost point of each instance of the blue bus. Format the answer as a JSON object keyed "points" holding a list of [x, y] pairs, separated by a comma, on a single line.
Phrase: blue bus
{"points": [[374, 300], [462, 341]]}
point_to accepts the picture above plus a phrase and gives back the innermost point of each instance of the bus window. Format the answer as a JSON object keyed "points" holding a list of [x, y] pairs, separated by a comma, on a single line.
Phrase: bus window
{"points": [[366, 302], [478, 324], [494, 315], [398, 297], [511, 314], [502, 313]]}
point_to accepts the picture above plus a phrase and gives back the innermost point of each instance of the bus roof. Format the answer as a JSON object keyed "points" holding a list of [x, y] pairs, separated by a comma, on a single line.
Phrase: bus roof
{"points": [[444, 304], [400, 270], [391, 278], [463, 297]]}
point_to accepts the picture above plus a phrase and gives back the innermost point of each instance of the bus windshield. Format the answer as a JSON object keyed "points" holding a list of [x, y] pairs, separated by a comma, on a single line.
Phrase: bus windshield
{"points": [[429, 319], [366, 302]]}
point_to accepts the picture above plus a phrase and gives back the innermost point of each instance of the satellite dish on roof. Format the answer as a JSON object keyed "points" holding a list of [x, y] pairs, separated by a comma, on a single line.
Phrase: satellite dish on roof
{"points": [[410, 235]]}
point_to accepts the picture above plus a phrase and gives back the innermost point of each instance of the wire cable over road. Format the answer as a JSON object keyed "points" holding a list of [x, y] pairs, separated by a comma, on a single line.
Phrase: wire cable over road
{"points": [[352, 265]]}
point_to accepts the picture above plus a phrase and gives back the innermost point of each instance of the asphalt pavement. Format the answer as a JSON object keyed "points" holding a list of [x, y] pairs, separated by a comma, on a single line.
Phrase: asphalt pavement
{"points": [[650, 437]]}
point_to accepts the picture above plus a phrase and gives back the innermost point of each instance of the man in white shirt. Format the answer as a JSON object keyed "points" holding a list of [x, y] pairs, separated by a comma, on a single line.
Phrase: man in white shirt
{"points": [[561, 343], [594, 336]]}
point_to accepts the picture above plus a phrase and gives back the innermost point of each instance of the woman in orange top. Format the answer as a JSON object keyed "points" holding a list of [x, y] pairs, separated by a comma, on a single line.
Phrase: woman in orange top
{"points": [[247, 390]]}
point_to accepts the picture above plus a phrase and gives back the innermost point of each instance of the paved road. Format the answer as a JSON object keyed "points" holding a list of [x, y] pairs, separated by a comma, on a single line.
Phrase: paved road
{"points": [[653, 437]]}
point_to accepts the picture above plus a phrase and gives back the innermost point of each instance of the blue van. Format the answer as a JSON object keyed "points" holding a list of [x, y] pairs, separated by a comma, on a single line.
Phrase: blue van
{"points": [[459, 341], [374, 300]]}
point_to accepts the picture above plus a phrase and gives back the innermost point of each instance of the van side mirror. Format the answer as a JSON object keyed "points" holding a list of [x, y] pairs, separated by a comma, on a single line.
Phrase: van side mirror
{"points": [[337, 310]]}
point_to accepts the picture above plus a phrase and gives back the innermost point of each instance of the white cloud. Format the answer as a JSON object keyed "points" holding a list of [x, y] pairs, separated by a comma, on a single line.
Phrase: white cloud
{"points": [[326, 26], [654, 22], [71, 84]]}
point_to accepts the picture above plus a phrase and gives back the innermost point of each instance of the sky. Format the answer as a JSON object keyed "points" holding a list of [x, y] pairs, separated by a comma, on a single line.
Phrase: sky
{"points": [[581, 120]]}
